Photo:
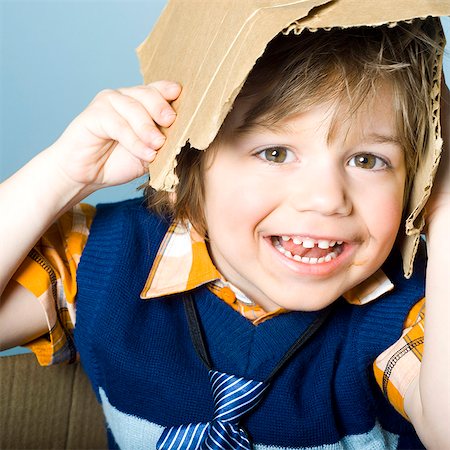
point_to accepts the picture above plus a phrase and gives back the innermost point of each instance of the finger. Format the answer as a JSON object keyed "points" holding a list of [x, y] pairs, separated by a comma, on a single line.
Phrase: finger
{"points": [[138, 118], [170, 90], [156, 100], [117, 128]]}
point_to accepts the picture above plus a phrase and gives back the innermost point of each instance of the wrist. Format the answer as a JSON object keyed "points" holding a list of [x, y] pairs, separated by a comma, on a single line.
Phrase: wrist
{"points": [[63, 190], [42, 189]]}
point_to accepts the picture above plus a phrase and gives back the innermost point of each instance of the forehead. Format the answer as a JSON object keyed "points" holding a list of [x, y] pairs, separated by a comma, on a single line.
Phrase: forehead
{"points": [[373, 116]]}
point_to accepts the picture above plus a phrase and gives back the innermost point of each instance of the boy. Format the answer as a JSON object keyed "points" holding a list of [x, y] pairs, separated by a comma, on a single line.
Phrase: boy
{"points": [[243, 273]]}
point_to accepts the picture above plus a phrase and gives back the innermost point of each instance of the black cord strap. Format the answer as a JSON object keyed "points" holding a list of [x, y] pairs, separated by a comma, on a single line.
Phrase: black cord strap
{"points": [[200, 346]]}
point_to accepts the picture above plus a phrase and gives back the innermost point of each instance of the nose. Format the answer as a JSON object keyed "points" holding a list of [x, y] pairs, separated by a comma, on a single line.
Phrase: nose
{"points": [[321, 187]]}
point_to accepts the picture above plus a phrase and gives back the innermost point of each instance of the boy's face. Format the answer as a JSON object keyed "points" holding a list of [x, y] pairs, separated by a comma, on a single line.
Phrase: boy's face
{"points": [[299, 215]]}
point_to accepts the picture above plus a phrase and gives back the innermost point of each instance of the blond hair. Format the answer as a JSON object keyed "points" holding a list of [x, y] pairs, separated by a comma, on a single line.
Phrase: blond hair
{"points": [[297, 72]]}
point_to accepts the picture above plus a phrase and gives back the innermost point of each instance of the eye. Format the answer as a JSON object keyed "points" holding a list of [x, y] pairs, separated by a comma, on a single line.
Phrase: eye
{"points": [[368, 161], [277, 155]]}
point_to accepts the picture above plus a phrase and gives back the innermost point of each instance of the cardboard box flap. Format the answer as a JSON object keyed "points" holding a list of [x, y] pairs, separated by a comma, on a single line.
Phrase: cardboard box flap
{"points": [[209, 47], [354, 13], [425, 173]]}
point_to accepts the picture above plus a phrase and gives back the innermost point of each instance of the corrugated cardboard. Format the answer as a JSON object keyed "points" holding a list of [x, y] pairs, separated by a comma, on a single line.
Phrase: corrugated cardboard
{"points": [[211, 46], [48, 407]]}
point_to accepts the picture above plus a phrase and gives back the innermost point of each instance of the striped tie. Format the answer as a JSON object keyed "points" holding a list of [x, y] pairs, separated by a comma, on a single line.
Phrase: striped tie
{"points": [[233, 397]]}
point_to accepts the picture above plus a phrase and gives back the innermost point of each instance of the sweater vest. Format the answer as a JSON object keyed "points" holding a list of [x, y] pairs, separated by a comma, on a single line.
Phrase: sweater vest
{"points": [[144, 369]]}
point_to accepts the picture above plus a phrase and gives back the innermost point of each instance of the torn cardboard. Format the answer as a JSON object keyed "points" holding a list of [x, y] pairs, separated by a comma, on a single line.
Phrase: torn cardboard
{"points": [[211, 46]]}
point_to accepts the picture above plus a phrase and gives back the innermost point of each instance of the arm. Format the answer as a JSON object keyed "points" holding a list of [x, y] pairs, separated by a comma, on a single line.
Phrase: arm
{"points": [[110, 143], [427, 400]]}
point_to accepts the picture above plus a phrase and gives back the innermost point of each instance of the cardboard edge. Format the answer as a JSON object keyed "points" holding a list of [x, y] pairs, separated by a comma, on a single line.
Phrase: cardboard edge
{"points": [[162, 170]]}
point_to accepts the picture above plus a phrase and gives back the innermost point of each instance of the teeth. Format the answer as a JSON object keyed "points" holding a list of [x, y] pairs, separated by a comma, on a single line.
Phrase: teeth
{"points": [[308, 243], [304, 259], [323, 244]]}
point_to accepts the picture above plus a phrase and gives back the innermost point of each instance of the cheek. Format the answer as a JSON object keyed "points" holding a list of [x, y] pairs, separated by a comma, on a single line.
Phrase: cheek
{"points": [[235, 199], [383, 216], [233, 212]]}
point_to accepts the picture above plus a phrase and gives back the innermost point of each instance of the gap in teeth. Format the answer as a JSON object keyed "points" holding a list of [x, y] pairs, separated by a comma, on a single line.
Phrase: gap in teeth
{"points": [[311, 243], [305, 259]]}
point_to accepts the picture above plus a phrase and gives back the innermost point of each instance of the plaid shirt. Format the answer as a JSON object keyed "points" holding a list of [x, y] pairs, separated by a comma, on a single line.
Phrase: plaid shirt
{"points": [[182, 264]]}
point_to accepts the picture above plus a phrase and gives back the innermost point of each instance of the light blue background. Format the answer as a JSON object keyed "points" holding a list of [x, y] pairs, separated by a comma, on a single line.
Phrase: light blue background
{"points": [[55, 55]]}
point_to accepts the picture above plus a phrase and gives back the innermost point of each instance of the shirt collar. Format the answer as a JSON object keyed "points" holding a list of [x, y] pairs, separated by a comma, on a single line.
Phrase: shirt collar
{"points": [[183, 263]]}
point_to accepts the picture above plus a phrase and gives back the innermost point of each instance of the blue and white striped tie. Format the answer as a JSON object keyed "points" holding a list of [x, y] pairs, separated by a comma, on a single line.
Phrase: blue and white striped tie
{"points": [[233, 397]]}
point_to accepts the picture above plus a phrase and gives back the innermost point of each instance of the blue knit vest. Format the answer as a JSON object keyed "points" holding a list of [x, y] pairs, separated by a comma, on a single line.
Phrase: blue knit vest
{"points": [[147, 375]]}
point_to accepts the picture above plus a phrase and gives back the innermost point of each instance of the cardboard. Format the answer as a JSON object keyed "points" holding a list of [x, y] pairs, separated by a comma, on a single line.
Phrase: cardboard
{"points": [[211, 46], [48, 407]]}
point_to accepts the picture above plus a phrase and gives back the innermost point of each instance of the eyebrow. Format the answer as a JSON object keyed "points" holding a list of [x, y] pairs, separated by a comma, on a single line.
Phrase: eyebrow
{"points": [[253, 127], [377, 138], [284, 128]]}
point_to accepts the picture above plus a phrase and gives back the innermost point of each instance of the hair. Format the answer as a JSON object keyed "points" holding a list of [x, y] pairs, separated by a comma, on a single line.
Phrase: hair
{"points": [[339, 65]]}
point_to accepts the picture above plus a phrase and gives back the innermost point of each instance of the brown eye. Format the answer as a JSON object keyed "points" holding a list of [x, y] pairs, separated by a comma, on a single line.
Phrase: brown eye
{"points": [[277, 155], [367, 161]]}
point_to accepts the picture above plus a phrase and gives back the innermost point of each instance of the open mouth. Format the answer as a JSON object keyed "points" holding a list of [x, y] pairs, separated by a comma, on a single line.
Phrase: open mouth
{"points": [[307, 250]]}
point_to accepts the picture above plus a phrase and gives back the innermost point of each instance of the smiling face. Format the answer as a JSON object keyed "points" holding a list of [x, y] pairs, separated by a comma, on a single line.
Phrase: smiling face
{"points": [[300, 213]]}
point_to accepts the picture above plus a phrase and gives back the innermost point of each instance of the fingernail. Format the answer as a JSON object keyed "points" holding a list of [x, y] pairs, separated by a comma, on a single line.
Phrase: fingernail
{"points": [[150, 153], [158, 139], [169, 114]]}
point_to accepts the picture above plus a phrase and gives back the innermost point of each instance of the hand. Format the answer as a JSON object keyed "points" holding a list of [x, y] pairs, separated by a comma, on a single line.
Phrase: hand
{"points": [[439, 202], [115, 138]]}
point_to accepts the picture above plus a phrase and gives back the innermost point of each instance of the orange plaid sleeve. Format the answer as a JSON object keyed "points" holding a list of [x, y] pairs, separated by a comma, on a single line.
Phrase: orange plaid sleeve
{"points": [[399, 365], [49, 272]]}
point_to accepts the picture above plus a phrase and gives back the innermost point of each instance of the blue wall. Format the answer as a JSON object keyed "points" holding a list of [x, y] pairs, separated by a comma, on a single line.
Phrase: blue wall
{"points": [[55, 56]]}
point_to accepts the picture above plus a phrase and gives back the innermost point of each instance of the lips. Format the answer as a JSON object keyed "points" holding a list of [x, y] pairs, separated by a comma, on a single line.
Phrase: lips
{"points": [[308, 250]]}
